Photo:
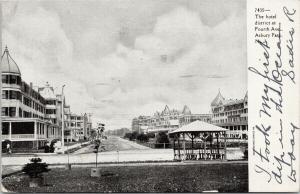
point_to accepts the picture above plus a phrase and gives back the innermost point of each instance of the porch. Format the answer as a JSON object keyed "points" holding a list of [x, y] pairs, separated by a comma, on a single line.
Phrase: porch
{"points": [[28, 133]]}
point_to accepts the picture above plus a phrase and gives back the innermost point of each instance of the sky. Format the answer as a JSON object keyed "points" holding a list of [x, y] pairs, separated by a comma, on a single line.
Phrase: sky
{"points": [[124, 58]]}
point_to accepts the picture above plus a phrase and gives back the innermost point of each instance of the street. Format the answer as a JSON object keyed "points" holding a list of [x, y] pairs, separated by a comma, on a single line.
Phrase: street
{"points": [[114, 143]]}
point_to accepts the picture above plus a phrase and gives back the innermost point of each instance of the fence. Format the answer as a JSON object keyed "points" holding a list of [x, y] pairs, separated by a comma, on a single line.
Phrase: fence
{"points": [[229, 144], [156, 145]]}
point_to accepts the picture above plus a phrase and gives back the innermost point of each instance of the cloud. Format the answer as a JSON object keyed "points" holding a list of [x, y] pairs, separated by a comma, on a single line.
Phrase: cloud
{"points": [[121, 66]]}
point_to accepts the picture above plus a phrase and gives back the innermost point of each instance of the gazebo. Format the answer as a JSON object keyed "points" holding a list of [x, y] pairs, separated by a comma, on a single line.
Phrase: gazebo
{"points": [[199, 141]]}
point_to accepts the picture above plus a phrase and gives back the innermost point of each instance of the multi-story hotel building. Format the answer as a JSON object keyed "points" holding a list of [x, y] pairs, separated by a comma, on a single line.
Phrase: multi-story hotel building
{"points": [[24, 116], [80, 126], [76, 126], [53, 104], [231, 114], [167, 120], [31, 117]]}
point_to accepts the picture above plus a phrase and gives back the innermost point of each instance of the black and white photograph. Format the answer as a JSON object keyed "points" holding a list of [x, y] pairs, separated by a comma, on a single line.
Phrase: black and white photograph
{"points": [[124, 96]]}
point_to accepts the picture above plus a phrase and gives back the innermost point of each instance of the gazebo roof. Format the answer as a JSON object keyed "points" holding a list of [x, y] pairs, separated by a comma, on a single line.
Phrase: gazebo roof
{"points": [[199, 126]]}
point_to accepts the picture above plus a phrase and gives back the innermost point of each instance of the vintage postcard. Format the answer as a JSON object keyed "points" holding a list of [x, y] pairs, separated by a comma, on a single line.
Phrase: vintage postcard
{"points": [[177, 96]]}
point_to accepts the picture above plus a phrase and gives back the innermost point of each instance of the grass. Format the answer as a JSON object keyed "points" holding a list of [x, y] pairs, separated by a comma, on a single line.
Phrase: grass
{"points": [[183, 178]]}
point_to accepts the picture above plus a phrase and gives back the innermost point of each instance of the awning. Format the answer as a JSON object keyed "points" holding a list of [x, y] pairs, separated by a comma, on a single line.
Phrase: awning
{"points": [[199, 126]]}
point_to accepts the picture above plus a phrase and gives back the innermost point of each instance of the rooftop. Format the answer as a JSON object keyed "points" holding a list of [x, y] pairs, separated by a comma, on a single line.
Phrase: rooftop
{"points": [[47, 92], [219, 98], [8, 65]]}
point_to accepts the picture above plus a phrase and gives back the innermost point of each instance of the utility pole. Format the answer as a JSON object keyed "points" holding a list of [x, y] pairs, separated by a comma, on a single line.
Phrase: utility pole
{"points": [[62, 118]]}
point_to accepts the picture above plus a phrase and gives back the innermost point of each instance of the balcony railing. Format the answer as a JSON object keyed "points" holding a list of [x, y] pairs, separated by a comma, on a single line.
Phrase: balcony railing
{"points": [[18, 136], [29, 136], [40, 136]]}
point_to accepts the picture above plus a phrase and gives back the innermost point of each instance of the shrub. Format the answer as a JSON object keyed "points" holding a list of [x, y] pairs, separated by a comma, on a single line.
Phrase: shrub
{"points": [[142, 137], [131, 136], [150, 135], [127, 135], [36, 168], [162, 138]]}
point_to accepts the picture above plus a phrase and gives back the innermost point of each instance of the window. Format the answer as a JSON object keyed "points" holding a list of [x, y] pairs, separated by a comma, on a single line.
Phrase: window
{"points": [[27, 102], [27, 114], [12, 111], [5, 79], [5, 94], [50, 111], [20, 112], [8, 111], [5, 128], [51, 102], [13, 79], [13, 95], [4, 111], [22, 127]]}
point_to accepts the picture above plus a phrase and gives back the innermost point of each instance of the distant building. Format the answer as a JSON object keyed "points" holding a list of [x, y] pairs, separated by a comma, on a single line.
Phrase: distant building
{"points": [[87, 125], [140, 124], [167, 120], [76, 127], [80, 126], [67, 121], [231, 114], [24, 110]]}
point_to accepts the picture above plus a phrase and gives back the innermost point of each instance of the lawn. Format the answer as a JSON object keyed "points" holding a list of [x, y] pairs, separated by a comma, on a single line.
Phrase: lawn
{"points": [[177, 178]]}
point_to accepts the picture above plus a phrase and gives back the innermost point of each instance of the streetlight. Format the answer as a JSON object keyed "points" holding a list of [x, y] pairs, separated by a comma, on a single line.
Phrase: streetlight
{"points": [[62, 116]]}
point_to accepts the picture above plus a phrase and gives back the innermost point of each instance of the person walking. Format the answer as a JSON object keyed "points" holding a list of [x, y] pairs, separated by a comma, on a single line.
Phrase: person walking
{"points": [[8, 148]]}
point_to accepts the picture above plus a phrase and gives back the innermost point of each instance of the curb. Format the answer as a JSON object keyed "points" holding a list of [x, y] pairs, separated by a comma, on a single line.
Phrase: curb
{"points": [[12, 173]]}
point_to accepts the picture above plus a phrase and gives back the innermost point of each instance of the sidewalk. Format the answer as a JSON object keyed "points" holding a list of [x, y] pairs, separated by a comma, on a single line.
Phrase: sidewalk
{"points": [[77, 145], [112, 156]]}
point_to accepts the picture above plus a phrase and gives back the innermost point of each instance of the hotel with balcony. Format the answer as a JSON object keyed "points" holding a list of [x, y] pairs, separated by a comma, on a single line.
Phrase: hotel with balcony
{"points": [[231, 114], [76, 126], [167, 120], [24, 110]]}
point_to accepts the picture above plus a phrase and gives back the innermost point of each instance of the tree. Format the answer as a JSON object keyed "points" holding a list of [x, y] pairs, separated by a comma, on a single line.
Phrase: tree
{"points": [[93, 134], [142, 137], [150, 135], [162, 138], [36, 168], [134, 135], [127, 135]]}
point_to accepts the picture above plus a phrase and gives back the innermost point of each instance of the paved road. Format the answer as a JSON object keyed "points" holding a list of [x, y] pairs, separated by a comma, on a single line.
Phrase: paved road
{"points": [[114, 143]]}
